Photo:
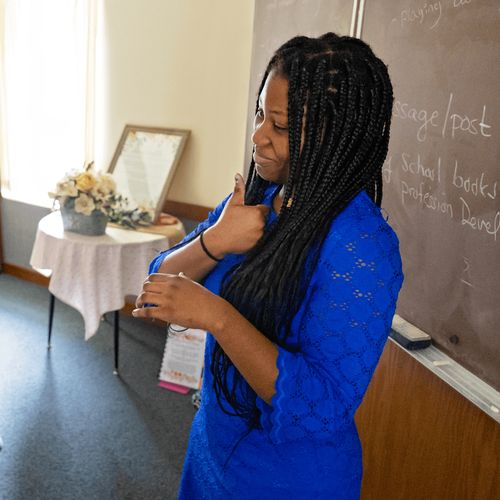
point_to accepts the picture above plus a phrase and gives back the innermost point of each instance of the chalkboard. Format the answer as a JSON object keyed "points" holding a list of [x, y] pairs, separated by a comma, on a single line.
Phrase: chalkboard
{"points": [[276, 21], [442, 189]]}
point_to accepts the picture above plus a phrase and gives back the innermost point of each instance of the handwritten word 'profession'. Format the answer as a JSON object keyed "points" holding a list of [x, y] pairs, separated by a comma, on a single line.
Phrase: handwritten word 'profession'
{"points": [[425, 198], [452, 124]]}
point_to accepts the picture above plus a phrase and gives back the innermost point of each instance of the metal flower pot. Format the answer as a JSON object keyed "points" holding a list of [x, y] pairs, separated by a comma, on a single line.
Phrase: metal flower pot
{"points": [[90, 225]]}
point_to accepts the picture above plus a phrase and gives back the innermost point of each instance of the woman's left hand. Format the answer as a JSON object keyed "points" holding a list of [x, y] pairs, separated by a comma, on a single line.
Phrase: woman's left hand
{"points": [[179, 300]]}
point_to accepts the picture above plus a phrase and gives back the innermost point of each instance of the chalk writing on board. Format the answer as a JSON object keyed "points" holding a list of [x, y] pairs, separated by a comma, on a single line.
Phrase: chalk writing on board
{"points": [[461, 3], [464, 123], [466, 271], [416, 167], [453, 125], [475, 185], [425, 198], [427, 13], [276, 4], [431, 11], [477, 223], [387, 169], [404, 111]]}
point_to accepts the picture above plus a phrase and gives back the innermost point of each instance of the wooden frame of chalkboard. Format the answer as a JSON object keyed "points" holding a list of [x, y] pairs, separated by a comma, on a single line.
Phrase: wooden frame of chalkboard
{"points": [[485, 397]]}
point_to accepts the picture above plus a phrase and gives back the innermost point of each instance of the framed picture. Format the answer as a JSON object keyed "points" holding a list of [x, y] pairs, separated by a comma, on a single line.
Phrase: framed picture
{"points": [[144, 164]]}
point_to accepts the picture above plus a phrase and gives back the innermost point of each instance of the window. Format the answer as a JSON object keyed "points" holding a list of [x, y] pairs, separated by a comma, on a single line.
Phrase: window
{"points": [[47, 94]]}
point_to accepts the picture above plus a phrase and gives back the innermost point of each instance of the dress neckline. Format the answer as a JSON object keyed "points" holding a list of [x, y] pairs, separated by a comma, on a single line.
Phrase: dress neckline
{"points": [[273, 196], [275, 189]]}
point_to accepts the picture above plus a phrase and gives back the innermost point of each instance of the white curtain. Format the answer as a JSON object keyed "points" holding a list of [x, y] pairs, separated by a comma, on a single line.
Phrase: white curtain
{"points": [[47, 94]]}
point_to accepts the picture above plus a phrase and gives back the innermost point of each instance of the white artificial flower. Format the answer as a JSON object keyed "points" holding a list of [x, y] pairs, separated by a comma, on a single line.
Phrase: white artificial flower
{"points": [[106, 184], [97, 195], [84, 204], [67, 188], [86, 181]]}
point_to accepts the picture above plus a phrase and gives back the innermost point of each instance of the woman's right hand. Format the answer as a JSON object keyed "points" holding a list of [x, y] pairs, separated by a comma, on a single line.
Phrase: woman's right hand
{"points": [[239, 227]]}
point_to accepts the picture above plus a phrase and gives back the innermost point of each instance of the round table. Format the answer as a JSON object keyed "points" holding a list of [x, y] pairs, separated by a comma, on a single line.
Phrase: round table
{"points": [[94, 274]]}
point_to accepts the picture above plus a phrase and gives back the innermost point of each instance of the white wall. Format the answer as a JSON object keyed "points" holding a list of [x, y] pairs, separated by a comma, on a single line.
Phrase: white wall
{"points": [[179, 64], [168, 63]]}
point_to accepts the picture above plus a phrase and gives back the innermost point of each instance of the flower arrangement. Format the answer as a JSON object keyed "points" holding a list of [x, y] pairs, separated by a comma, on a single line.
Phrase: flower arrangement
{"points": [[88, 192]]}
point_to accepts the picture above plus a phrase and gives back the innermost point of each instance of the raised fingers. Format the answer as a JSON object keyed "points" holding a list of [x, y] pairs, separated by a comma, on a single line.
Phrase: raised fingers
{"points": [[148, 286], [154, 286], [157, 285], [149, 298], [160, 277], [145, 312]]}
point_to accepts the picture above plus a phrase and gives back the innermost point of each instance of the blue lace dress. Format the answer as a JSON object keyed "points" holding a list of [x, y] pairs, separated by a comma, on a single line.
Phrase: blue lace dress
{"points": [[308, 446]]}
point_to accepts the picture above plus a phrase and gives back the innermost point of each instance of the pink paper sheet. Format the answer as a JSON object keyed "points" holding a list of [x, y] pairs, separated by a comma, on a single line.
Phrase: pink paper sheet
{"points": [[174, 387]]}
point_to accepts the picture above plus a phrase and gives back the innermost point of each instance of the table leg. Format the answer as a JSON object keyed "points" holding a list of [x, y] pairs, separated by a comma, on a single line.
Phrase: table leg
{"points": [[51, 318], [117, 339]]}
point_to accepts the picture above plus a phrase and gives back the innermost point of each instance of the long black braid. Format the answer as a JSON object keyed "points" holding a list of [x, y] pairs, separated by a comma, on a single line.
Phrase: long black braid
{"points": [[345, 92]]}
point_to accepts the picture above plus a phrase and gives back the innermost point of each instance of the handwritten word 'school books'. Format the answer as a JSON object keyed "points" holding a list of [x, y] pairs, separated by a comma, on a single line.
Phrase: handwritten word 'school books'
{"points": [[182, 364]]}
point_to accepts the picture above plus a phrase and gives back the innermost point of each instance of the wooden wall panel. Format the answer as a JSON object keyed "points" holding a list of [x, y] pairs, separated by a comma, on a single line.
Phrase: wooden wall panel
{"points": [[422, 439]]}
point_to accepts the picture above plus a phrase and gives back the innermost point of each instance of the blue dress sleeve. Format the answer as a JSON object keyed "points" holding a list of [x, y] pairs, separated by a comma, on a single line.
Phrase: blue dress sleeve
{"points": [[341, 335], [212, 218]]}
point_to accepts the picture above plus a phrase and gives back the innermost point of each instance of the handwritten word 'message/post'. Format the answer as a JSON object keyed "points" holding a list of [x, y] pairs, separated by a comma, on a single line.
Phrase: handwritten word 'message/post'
{"points": [[451, 124]]}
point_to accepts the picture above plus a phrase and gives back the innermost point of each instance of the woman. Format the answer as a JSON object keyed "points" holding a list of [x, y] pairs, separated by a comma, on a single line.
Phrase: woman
{"points": [[296, 277]]}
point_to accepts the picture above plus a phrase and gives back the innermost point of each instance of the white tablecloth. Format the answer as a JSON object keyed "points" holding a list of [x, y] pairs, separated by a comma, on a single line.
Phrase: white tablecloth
{"points": [[93, 274]]}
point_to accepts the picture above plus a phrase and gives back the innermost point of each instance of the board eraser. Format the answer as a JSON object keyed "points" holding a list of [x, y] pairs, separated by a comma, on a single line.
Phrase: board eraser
{"points": [[408, 335]]}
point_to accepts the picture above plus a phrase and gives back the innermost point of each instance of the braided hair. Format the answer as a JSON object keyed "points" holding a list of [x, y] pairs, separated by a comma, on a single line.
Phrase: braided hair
{"points": [[344, 93]]}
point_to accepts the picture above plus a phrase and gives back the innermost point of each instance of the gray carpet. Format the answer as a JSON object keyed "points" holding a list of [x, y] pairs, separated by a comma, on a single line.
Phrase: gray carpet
{"points": [[70, 428]]}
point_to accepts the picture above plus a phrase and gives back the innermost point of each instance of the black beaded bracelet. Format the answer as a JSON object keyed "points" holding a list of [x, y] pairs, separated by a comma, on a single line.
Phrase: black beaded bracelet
{"points": [[205, 249]]}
